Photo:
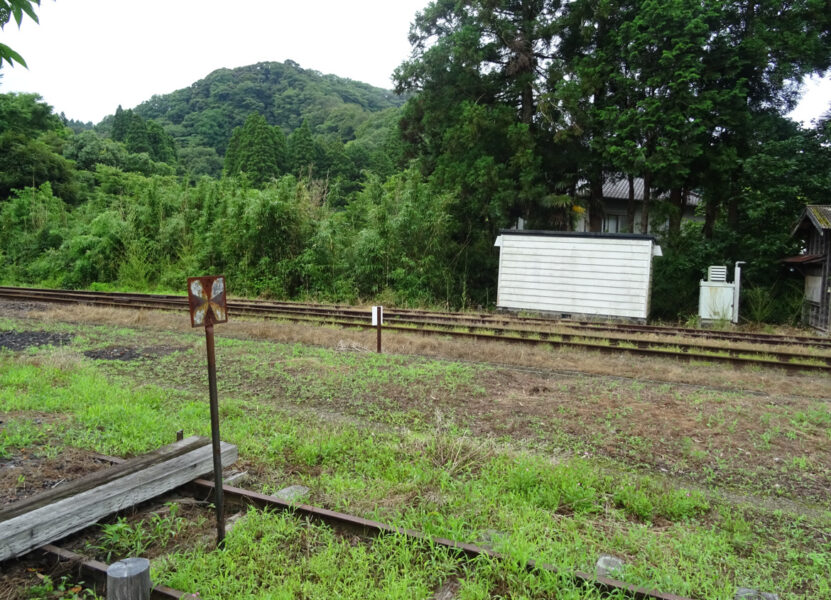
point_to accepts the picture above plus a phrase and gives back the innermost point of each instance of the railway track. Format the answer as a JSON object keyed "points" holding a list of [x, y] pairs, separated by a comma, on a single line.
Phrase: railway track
{"points": [[369, 528], [241, 498], [739, 349]]}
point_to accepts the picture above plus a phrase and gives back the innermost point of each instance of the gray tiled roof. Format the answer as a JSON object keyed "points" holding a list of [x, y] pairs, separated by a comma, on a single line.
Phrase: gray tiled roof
{"points": [[618, 188]]}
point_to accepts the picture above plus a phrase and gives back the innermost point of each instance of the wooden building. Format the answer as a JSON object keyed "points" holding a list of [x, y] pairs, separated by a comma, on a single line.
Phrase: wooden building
{"points": [[814, 228], [576, 274]]}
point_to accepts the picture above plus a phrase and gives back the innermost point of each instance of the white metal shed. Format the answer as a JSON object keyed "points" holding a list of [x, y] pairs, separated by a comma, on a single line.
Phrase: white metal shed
{"points": [[597, 274]]}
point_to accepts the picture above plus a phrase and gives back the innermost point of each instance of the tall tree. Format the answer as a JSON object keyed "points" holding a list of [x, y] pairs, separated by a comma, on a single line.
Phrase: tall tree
{"points": [[477, 74], [30, 162], [121, 122], [31, 137], [256, 149], [589, 84], [669, 91], [161, 144], [757, 55], [136, 138], [301, 148], [669, 112]]}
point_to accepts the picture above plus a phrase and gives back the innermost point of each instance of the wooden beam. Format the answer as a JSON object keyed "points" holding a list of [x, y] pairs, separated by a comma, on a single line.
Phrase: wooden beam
{"points": [[122, 468], [46, 521]]}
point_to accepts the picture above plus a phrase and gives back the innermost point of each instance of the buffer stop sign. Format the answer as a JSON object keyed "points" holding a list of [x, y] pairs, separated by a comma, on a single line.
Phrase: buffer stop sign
{"points": [[206, 296]]}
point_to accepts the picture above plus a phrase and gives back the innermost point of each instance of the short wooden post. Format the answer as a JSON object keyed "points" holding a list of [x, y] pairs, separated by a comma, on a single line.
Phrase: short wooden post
{"points": [[129, 579]]}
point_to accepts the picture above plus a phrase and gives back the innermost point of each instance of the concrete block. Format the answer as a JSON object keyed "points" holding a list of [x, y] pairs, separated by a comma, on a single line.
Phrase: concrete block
{"points": [[609, 566], [293, 493], [751, 594]]}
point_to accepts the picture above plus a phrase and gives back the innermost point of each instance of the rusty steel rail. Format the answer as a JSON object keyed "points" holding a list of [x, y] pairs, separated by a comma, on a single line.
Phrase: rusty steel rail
{"points": [[142, 300], [442, 324], [642, 348], [500, 320], [507, 319], [369, 528], [604, 344], [509, 334], [97, 571], [358, 525], [730, 336]]}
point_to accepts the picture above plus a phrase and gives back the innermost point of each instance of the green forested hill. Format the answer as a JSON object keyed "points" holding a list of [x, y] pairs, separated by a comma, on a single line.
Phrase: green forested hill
{"points": [[311, 185], [205, 113]]}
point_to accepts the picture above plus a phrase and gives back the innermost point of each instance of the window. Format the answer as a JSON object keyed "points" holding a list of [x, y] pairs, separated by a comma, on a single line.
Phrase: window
{"points": [[613, 223]]}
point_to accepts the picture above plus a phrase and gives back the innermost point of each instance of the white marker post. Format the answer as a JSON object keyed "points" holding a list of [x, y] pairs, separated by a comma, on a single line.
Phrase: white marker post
{"points": [[377, 321]]}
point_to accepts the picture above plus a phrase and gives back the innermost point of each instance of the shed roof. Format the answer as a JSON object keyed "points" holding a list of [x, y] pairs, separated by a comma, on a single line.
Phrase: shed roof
{"points": [[819, 215], [578, 234], [804, 259]]}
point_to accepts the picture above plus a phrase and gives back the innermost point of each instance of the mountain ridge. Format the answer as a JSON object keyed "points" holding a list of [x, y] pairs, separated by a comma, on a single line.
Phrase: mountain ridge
{"points": [[205, 113]]}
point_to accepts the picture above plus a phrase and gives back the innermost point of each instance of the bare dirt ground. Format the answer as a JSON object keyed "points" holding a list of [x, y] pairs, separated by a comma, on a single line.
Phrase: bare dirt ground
{"points": [[20, 340], [128, 353], [711, 375], [760, 430], [24, 474]]}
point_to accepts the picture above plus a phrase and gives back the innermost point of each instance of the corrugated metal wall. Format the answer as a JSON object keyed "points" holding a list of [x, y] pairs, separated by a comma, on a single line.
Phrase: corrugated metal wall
{"points": [[591, 275]]}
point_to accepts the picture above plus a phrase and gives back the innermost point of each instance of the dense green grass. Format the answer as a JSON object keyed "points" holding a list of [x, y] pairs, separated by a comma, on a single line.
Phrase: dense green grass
{"points": [[435, 478], [279, 556]]}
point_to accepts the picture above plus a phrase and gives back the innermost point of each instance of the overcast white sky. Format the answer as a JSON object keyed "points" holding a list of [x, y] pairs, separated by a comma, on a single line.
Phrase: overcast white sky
{"points": [[88, 56]]}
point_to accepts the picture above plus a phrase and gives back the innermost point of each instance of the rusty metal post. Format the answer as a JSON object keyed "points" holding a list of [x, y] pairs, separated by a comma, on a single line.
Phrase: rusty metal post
{"points": [[378, 312], [208, 305], [218, 500]]}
